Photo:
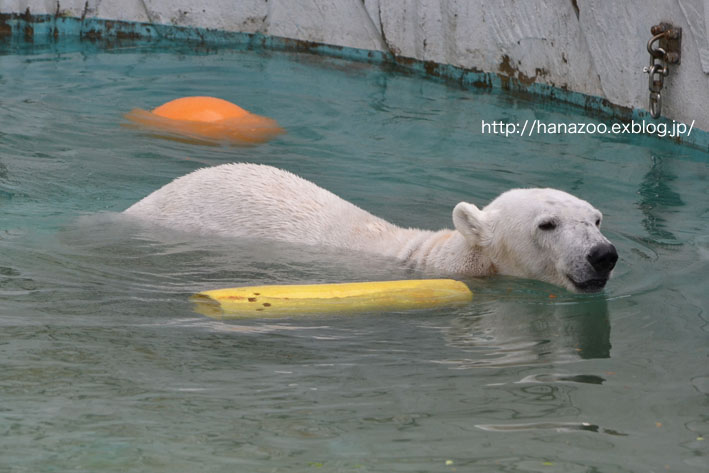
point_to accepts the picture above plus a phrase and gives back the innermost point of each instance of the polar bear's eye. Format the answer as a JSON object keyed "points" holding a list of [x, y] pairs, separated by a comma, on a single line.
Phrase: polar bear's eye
{"points": [[547, 225], [598, 222]]}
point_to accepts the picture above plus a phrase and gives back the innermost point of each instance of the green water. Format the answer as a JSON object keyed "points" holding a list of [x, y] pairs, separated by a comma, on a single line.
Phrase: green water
{"points": [[105, 367]]}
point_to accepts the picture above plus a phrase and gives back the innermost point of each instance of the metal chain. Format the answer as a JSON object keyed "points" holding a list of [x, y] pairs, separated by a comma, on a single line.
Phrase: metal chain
{"points": [[659, 58], [656, 75]]}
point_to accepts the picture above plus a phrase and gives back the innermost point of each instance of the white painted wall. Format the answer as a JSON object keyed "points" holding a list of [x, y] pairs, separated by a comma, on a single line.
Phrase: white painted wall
{"points": [[596, 47]]}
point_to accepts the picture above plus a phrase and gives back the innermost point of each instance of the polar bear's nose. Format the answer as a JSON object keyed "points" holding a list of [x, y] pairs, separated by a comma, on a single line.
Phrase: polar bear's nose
{"points": [[603, 257]]}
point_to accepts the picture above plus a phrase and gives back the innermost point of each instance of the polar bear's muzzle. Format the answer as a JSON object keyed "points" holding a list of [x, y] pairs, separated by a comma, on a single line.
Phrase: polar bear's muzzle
{"points": [[601, 258]]}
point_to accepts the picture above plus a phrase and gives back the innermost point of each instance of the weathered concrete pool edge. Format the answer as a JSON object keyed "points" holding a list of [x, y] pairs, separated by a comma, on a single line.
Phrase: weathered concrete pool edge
{"points": [[44, 29]]}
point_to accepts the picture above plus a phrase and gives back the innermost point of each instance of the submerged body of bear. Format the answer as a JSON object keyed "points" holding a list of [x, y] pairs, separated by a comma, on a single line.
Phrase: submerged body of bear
{"points": [[543, 234]]}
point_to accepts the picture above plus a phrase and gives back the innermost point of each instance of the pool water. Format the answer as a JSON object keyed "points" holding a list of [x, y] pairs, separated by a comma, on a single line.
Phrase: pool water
{"points": [[105, 367]]}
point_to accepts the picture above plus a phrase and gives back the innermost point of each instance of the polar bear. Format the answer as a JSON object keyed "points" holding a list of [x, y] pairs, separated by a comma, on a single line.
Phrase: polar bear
{"points": [[543, 234]]}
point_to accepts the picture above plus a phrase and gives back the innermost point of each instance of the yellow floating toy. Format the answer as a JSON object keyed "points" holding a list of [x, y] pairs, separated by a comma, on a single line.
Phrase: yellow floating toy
{"points": [[279, 301], [207, 119]]}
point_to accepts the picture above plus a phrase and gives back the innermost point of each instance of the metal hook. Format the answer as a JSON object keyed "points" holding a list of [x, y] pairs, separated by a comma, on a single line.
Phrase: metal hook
{"points": [[659, 52]]}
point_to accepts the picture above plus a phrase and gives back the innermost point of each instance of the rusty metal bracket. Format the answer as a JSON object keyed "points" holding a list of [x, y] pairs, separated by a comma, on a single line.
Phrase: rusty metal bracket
{"points": [[670, 41]]}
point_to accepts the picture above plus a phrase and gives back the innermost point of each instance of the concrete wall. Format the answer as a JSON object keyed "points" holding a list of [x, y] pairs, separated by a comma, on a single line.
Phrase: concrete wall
{"points": [[596, 47]]}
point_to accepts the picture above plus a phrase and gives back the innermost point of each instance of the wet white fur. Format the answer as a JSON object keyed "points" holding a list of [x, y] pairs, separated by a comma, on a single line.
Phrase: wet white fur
{"points": [[251, 200]]}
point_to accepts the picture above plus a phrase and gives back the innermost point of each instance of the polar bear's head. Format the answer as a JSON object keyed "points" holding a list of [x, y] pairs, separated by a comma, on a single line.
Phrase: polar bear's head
{"points": [[543, 234]]}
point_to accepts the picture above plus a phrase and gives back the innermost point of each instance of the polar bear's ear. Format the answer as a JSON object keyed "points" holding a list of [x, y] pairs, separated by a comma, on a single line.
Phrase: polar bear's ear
{"points": [[472, 223]]}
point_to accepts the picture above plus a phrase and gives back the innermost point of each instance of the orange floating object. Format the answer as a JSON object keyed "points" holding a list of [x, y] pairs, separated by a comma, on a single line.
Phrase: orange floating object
{"points": [[207, 119]]}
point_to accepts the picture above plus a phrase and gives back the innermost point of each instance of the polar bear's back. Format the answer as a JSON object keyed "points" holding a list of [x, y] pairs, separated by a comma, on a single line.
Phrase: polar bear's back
{"points": [[255, 200]]}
